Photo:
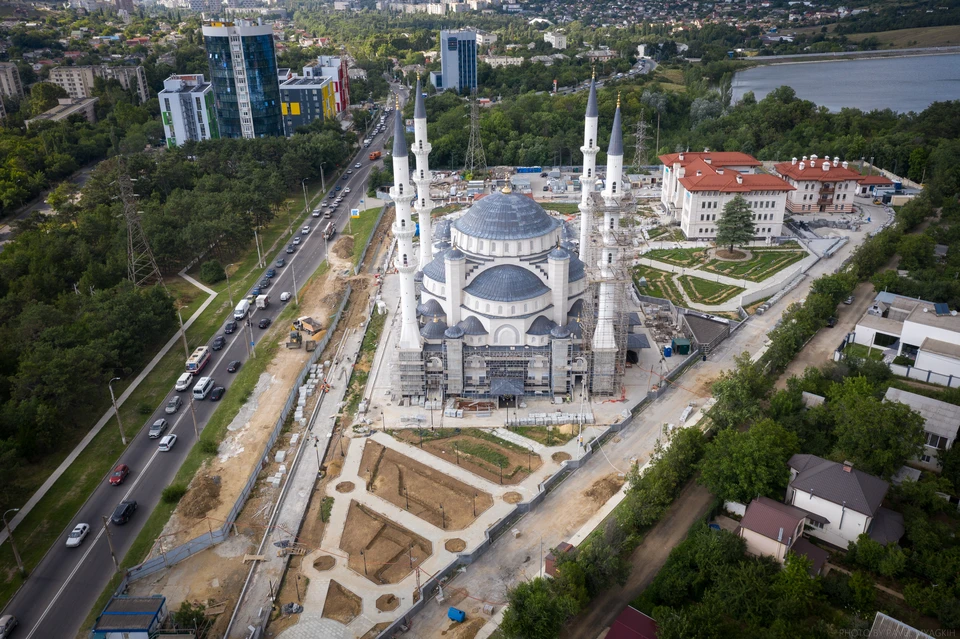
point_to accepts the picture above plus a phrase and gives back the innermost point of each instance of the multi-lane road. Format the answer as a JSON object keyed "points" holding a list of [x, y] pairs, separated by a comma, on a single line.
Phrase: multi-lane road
{"points": [[59, 593]]}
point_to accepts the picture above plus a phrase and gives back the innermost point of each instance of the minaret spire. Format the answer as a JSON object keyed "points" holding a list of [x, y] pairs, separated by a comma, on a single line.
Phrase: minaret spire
{"points": [[422, 178], [403, 229], [589, 176]]}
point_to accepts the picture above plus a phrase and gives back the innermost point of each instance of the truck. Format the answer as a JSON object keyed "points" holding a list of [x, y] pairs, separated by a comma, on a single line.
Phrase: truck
{"points": [[295, 340], [263, 301], [241, 310], [376, 155], [307, 325], [328, 231]]}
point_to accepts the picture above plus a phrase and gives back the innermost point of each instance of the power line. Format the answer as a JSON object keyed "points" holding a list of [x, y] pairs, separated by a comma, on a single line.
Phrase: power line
{"points": [[640, 146], [142, 267], [475, 161]]}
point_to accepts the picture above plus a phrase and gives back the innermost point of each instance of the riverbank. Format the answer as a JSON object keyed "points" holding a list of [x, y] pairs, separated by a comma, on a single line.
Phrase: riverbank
{"points": [[846, 56]]}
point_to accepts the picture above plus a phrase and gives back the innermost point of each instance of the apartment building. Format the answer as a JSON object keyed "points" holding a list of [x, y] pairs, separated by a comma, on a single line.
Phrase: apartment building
{"points": [[820, 186], [187, 110], [77, 81]]}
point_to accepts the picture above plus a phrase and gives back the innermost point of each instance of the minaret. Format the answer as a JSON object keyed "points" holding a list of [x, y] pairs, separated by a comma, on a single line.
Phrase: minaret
{"points": [[422, 178], [589, 176], [403, 229], [604, 339]]}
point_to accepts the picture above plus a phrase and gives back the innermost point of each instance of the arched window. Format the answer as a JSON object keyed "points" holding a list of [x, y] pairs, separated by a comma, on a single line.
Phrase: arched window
{"points": [[499, 309]]}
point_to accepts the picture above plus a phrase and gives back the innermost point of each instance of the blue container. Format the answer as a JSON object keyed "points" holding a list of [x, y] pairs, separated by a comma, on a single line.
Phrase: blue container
{"points": [[667, 351], [455, 614]]}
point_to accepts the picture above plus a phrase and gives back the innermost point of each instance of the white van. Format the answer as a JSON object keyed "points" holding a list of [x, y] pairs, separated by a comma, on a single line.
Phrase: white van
{"points": [[203, 388], [183, 382], [241, 310]]}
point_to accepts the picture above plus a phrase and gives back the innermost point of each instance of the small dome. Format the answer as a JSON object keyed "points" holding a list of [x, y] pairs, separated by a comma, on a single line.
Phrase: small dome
{"points": [[454, 254], [441, 231], [559, 254], [454, 332], [472, 326], [578, 270], [434, 329], [418, 276], [570, 246], [443, 246], [568, 232], [559, 332], [431, 308], [576, 310], [436, 271], [506, 283], [574, 328], [541, 326], [506, 216]]}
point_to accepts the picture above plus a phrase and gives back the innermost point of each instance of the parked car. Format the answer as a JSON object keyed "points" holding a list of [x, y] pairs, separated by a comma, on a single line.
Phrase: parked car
{"points": [[849, 300], [217, 393], [290, 248], [167, 443], [264, 322], [119, 474], [7, 624], [218, 342], [233, 366], [77, 535], [271, 273], [281, 263], [230, 327], [831, 322], [123, 512], [285, 296], [157, 428], [173, 405]]}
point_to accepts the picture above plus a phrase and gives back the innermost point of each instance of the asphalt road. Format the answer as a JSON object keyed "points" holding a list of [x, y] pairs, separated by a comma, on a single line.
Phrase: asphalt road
{"points": [[59, 593]]}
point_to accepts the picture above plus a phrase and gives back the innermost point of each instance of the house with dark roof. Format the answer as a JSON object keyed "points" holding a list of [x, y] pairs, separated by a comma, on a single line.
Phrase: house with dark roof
{"points": [[841, 502], [941, 421], [772, 528]]}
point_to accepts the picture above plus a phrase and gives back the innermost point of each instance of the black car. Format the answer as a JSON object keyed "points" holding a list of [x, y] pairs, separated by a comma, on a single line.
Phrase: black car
{"points": [[271, 273], [230, 327], [123, 512], [219, 342], [264, 283], [338, 188], [217, 393], [333, 193], [290, 248], [281, 263], [345, 177], [233, 366], [264, 323]]}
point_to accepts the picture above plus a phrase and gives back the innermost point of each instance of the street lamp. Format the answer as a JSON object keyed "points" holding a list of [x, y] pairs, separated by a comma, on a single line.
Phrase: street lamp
{"points": [[123, 438], [323, 182], [474, 504], [316, 449], [306, 207], [23, 570], [226, 272], [443, 518], [364, 562]]}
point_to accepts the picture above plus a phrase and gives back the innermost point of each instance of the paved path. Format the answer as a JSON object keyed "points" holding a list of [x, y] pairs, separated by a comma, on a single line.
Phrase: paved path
{"points": [[692, 504]]}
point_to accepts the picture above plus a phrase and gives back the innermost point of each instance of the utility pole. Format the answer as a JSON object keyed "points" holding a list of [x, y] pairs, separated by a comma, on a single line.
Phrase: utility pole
{"points": [[306, 207], [293, 274], [123, 438], [113, 554], [141, 265], [256, 240], [16, 554], [193, 413], [183, 334], [640, 146], [476, 161]]}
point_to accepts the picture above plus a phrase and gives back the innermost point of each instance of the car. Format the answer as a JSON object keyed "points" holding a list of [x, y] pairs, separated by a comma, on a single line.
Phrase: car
{"points": [[217, 393], [251, 299], [831, 322], [357, 165], [281, 263], [296, 240], [338, 200], [346, 176], [7, 624], [290, 248], [123, 512], [233, 366], [264, 322], [849, 300], [316, 213], [229, 327], [157, 428], [332, 194], [220, 341], [346, 190], [271, 273], [173, 405], [366, 145], [546, 188], [543, 175], [285, 296], [255, 293], [119, 474], [77, 535], [167, 443], [264, 283], [338, 188], [305, 230]]}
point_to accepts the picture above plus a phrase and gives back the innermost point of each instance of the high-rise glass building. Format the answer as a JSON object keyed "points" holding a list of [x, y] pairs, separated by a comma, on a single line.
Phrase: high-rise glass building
{"points": [[458, 62], [243, 72]]}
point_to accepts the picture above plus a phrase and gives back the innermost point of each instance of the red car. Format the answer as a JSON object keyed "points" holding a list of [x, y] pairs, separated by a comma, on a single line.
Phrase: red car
{"points": [[119, 474]]}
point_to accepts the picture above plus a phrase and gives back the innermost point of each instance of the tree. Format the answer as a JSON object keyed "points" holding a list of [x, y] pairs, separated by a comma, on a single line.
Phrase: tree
{"points": [[191, 617], [796, 591], [536, 611], [735, 226], [916, 252], [738, 393], [43, 97], [949, 462], [739, 466], [864, 592]]}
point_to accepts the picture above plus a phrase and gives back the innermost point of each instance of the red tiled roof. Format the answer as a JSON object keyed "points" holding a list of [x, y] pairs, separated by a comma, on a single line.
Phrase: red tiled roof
{"points": [[632, 624], [814, 171], [876, 180], [717, 158], [729, 181]]}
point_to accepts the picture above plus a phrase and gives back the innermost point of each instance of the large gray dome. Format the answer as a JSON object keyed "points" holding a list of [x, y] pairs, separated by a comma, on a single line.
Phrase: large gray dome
{"points": [[506, 283], [506, 216]]}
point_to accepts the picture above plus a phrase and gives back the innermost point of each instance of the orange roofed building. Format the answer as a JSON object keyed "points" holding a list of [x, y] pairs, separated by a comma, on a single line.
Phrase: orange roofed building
{"points": [[696, 186], [822, 186]]}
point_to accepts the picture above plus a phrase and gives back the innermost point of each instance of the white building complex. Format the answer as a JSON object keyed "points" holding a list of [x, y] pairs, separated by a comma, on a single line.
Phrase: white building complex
{"points": [[187, 110], [555, 39], [820, 186], [502, 294], [696, 187]]}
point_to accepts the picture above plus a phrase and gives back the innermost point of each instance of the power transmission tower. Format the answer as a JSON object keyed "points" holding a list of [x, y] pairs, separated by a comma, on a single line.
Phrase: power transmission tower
{"points": [[142, 267], [640, 148], [475, 162]]}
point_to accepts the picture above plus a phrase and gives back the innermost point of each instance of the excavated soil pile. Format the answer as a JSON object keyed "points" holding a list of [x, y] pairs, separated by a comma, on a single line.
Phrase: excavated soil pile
{"points": [[560, 457], [344, 247], [202, 497], [604, 488], [345, 487], [386, 603]]}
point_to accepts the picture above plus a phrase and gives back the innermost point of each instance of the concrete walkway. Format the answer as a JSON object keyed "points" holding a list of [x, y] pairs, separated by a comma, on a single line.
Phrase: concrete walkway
{"points": [[68, 461]]}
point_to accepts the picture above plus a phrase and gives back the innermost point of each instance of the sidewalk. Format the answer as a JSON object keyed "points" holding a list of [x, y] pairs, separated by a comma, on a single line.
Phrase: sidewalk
{"points": [[68, 461]]}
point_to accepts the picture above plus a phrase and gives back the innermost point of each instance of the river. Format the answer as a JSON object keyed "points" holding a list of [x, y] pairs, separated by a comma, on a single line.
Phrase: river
{"points": [[902, 84]]}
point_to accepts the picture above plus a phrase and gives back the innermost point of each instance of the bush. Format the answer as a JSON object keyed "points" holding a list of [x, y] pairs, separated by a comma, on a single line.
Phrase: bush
{"points": [[209, 447], [144, 409], [212, 272], [173, 493], [326, 507]]}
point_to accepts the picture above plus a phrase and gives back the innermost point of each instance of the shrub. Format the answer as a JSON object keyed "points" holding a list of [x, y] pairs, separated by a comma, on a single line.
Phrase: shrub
{"points": [[173, 493], [326, 507], [144, 409], [209, 447], [212, 272]]}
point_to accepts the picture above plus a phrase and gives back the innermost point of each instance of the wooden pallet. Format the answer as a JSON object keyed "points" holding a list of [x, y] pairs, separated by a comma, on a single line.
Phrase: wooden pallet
{"points": [[247, 558]]}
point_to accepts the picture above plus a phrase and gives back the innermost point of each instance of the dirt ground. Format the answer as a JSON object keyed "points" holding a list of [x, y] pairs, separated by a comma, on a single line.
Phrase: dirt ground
{"points": [[344, 247], [512, 498], [341, 604], [466, 630], [605, 488], [345, 487], [455, 545], [374, 632], [513, 473], [385, 603], [390, 552], [560, 457], [408, 484]]}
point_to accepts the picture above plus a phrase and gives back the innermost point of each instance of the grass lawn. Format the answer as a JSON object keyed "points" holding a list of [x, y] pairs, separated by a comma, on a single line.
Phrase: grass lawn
{"points": [[666, 233], [706, 292], [54, 512], [362, 228], [690, 257], [564, 208], [763, 264], [546, 437], [909, 38], [659, 284], [863, 352]]}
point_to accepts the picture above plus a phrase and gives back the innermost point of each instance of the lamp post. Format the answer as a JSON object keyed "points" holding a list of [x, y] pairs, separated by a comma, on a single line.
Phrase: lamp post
{"points": [[226, 272], [323, 182], [364, 562], [406, 494], [306, 207], [316, 449], [123, 438], [474, 504], [16, 555], [443, 518], [183, 334]]}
